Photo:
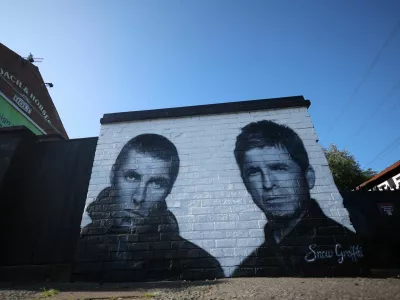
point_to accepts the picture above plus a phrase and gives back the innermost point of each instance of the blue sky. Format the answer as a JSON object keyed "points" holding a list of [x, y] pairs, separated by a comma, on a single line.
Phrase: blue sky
{"points": [[114, 56]]}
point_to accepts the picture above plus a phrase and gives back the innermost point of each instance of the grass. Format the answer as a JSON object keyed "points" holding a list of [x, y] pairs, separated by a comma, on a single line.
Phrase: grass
{"points": [[149, 295], [49, 293]]}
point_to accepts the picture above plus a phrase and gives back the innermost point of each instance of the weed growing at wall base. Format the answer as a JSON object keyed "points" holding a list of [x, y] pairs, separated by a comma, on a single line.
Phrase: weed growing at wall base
{"points": [[49, 293]]}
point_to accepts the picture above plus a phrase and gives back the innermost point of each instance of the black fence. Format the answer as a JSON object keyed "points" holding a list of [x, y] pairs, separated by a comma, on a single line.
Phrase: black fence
{"points": [[43, 194], [376, 217]]}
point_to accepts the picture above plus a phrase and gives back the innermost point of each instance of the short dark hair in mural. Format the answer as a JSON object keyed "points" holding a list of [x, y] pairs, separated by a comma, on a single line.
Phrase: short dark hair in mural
{"points": [[299, 238], [133, 235]]}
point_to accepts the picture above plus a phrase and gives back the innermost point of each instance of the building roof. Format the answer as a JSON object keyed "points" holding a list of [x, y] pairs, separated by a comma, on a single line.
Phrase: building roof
{"points": [[30, 87], [208, 109], [382, 176]]}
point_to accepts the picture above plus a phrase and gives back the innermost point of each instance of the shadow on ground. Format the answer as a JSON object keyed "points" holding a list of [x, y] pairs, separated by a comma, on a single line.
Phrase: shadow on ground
{"points": [[108, 287], [139, 286]]}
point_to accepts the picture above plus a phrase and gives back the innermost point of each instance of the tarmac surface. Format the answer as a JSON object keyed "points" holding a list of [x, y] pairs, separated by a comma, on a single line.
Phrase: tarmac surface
{"points": [[237, 288]]}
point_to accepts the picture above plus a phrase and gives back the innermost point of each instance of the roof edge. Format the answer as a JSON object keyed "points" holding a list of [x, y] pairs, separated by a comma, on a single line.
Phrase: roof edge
{"points": [[387, 173], [207, 109]]}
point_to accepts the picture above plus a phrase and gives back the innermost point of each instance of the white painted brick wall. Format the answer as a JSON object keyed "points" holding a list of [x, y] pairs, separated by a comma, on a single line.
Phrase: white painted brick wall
{"points": [[209, 199]]}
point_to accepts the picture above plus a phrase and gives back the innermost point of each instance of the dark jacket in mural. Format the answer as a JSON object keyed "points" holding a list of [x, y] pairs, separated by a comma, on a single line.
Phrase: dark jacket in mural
{"points": [[317, 246], [153, 251]]}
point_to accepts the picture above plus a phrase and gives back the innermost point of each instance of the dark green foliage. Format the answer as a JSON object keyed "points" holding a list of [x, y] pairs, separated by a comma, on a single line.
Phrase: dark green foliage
{"points": [[346, 170]]}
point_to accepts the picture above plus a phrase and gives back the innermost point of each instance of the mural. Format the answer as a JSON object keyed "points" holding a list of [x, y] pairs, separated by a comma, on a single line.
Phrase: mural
{"points": [[246, 209], [299, 238], [131, 224]]}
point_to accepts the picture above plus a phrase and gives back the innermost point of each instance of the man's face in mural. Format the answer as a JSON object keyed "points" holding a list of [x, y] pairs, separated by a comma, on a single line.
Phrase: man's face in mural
{"points": [[142, 183], [276, 182]]}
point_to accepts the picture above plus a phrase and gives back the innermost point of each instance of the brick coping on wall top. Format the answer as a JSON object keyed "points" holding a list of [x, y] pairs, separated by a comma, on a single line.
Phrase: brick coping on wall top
{"points": [[208, 109]]}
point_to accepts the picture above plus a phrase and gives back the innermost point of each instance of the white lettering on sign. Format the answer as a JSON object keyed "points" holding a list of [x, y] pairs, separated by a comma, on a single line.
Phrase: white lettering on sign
{"points": [[21, 103], [387, 209], [25, 89], [386, 186], [396, 180], [353, 253]]}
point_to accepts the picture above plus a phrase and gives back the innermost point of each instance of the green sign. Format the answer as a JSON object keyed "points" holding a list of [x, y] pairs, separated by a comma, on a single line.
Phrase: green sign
{"points": [[9, 116]]}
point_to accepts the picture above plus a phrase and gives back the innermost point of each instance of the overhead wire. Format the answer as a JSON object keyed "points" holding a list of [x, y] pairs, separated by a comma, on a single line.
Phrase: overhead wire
{"points": [[366, 74], [382, 154], [378, 107]]}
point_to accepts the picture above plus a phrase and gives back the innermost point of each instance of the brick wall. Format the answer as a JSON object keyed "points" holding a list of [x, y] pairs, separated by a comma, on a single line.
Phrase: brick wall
{"points": [[215, 213]]}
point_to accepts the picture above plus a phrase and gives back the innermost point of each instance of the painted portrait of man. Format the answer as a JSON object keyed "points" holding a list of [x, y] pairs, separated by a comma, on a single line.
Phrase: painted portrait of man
{"points": [[299, 238], [132, 232]]}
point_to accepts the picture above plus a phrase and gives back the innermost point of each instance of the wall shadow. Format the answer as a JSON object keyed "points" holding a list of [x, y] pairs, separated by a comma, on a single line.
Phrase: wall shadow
{"points": [[108, 287]]}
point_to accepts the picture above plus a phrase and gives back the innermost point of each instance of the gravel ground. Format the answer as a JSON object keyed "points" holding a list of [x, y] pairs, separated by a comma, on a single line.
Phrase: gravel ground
{"points": [[238, 288]]}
